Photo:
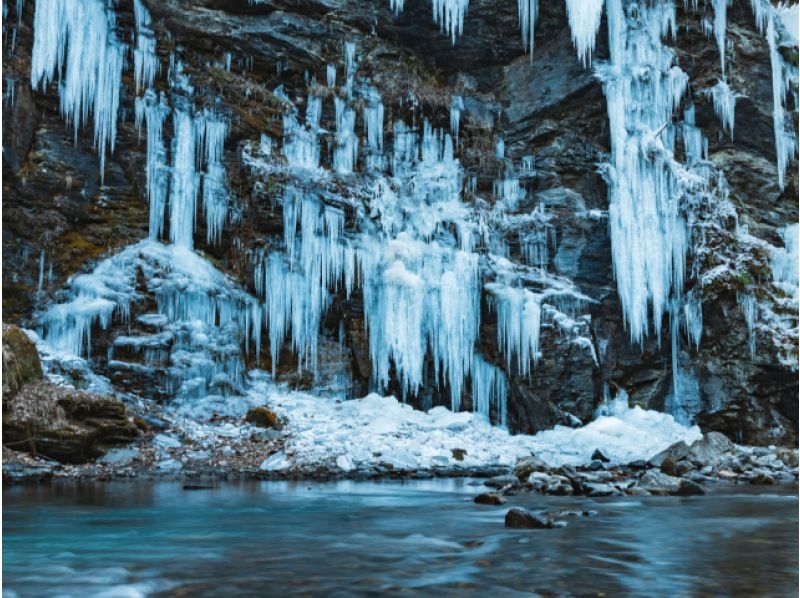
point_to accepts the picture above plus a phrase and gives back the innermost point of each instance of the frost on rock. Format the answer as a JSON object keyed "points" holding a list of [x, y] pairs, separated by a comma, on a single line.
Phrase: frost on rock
{"points": [[76, 41]]}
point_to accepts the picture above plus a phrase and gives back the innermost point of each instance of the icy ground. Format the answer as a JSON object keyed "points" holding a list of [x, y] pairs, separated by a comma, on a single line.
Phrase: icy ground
{"points": [[362, 434]]}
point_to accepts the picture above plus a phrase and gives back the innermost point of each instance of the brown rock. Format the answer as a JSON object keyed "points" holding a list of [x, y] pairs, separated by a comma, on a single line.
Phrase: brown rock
{"points": [[21, 363], [489, 498], [264, 418]]}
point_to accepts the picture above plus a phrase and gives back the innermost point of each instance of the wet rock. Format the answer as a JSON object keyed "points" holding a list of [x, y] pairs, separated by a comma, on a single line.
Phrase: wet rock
{"points": [[727, 474], [761, 478], [527, 465], [521, 519], [637, 491], [596, 490], [638, 464], [502, 481], [264, 418], [659, 483], [489, 498], [598, 455], [689, 488], [668, 467]]}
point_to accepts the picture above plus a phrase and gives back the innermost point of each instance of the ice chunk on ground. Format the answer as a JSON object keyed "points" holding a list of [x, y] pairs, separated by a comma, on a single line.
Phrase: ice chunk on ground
{"points": [[375, 430]]}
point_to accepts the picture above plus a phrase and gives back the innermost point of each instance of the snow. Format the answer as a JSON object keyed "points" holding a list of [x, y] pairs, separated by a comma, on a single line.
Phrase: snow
{"points": [[366, 432]]}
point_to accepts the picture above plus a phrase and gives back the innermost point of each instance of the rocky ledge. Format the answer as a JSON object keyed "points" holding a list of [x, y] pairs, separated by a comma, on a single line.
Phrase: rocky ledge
{"points": [[51, 422]]}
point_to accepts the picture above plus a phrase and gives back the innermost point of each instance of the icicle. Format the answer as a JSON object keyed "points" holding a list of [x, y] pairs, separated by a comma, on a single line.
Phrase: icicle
{"points": [[183, 191], [750, 310], [331, 75], [349, 67], [396, 6], [76, 39], [489, 390], [724, 99], [145, 60], [584, 22], [456, 107], [648, 234], [785, 142], [449, 15], [528, 11], [40, 283], [154, 113], [720, 26], [215, 192], [346, 152], [518, 325], [785, 260]]}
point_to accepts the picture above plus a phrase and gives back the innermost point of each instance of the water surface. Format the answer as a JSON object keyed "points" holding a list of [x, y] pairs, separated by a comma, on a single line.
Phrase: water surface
{"points": [[357, 538]]}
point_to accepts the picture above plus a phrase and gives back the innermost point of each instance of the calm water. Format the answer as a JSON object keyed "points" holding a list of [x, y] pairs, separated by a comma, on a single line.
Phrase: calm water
{"points": [[356, 538]]}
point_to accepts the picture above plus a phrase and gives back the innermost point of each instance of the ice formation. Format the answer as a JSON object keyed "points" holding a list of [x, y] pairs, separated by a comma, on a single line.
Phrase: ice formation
{"points": [[414, 253], [365, 432], [584, 21], [724, 99], [202, 319], [768, 21], [145, 60], [528, 11], [648, 232], [76, 40], [720, 27]]}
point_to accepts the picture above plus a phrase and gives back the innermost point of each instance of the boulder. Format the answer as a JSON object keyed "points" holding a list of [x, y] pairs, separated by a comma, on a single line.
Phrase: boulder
{"points": [[710, 449], [489, 498], [599, 455], [658, 483], [458, 453], [21, 364], [521, 519], [689, 488], [67, 425], [263, 418], [527, 465], [676, 452]]}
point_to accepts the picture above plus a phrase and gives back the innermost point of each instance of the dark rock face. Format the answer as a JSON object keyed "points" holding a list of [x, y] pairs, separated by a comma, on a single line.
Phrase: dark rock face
{"points": [[548, 106]]}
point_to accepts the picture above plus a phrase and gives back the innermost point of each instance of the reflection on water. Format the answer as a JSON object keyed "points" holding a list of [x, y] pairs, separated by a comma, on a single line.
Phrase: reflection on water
{"points": [[351, 538]]}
